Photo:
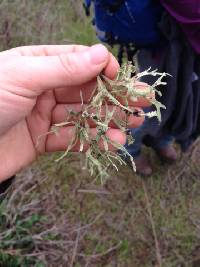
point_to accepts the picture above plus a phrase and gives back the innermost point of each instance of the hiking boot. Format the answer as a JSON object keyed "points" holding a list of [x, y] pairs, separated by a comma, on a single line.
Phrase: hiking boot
{"points": [[167, 154], [143, 166]]}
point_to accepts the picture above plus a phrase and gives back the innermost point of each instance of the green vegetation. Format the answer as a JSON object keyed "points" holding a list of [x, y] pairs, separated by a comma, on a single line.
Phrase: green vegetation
{"points": [[54, 215]]}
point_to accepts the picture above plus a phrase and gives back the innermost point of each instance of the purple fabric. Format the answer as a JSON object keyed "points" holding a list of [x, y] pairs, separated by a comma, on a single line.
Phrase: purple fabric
{"points": [[187, 13]]}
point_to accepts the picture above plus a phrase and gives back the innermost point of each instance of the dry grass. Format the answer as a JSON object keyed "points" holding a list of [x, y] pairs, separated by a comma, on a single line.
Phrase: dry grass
{"points": [[25, 22], [127, 222]]}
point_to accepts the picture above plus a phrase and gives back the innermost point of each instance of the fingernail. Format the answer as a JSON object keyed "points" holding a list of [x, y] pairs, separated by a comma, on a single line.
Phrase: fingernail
{"points": [[98, 54]]}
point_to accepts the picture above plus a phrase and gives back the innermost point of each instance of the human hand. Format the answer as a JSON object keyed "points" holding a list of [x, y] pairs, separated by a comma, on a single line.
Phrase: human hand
{"points": [[37, 83]]}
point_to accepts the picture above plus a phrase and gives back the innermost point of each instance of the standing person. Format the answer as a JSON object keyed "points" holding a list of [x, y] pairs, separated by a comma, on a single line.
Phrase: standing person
{"points": [[180, 57], [166, 34]]}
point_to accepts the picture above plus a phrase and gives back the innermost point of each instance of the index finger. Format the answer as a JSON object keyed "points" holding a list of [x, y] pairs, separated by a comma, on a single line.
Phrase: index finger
{"points": [[55, 50], [45, 50]]}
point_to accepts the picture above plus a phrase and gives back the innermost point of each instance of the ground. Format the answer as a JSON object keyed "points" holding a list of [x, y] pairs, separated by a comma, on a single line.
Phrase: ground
{"points": [[55, 214]]}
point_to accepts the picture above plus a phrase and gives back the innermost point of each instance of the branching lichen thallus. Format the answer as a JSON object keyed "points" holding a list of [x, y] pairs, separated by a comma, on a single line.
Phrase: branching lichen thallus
{"points": [[108, 101]]}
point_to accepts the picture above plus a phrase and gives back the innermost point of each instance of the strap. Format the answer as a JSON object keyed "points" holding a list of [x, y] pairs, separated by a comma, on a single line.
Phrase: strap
{"points": [[86, 6]]}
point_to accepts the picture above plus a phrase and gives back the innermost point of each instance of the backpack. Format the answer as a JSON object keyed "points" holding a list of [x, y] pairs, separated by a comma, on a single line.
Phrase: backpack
{"points": [[129, 23]]}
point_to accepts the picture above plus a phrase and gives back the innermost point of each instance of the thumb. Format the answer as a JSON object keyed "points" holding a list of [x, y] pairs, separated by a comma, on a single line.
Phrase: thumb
{"points": [[49, 72]]}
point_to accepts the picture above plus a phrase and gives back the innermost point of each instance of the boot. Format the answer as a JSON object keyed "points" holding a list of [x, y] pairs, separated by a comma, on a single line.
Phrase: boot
{"points": [[167, 154], [143, 166]]}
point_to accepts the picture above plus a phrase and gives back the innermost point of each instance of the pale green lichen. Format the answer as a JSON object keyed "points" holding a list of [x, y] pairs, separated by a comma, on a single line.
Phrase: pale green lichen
{"points": [[108, 92]]}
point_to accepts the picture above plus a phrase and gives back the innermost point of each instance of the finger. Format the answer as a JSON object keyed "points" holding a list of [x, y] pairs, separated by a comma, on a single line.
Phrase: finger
{"points": [[86, 89], [143, 89], [143, 102], [61, 141], [43, 73], [62, 94], [135, 121], [112, 68], [143, 97], [45, 50], [55, 50], [61, 113]]}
